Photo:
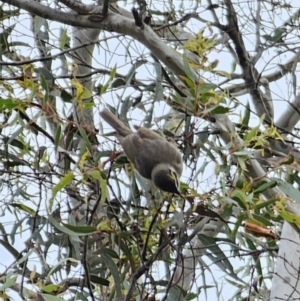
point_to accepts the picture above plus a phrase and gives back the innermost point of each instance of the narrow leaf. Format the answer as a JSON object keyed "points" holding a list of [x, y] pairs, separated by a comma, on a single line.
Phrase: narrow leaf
{"points": [[24, 208], [290, 190], [115, 273], [64, 181], [265, 186], [189, 72], [246, 117], [66, 230]]}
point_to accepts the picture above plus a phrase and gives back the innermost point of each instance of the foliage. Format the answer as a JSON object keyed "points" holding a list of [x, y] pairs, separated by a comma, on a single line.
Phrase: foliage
{"points": [[78, 223]]}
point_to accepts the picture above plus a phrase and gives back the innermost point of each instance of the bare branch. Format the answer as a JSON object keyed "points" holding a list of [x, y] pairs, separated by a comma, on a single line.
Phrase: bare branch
{"points": [[114, 23], [249, 73]]}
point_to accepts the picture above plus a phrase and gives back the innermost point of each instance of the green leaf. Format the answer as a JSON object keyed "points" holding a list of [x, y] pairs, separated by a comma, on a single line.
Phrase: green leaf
{"points": [[15, 143], [111, 77], [217, 256], [190, 84], [88, 105], [280, 207], [57, 137], [65, 228], [10, 248], [12, 157], [64, 38], [223, 73], [237, 224], [276, 35], [5, 33], [255, 256], [81, 229], [250, 135], [265, 186], [220, 110], [51, 288], [110, 253], [192, 296], [206, 87], [64, 181], [187, 69], [264, 204], [289, 190], [87, 94], [242, 162], [246, 117], [66, 96], [51, 298], [240, 197], [24, 208], [110, 264], [84, 137], [288, 161], [175, 293], [104, 89], [177, 99], [118, 82], [96, 174], [10, 104], [44, 72], [113, 73], [264, 221], [9, 282], [44, 85], [98, 280]]}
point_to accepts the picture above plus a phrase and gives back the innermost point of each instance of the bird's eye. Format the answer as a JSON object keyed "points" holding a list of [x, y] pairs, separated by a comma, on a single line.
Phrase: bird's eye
{"points": [[175, 178]]}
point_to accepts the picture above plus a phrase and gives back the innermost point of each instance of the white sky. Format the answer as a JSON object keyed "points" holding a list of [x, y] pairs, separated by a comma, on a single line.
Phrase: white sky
{"points": [[279, 92]]}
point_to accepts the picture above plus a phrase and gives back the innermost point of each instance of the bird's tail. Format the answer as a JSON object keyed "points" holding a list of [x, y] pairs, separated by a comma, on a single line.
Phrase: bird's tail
{"points": [[113, 121]]}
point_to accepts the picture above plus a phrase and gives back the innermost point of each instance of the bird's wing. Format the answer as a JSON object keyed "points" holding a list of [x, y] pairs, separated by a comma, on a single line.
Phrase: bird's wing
{"points": [[151, 153], [142, 152], [145, 153], [163, 149], [149, 134]]}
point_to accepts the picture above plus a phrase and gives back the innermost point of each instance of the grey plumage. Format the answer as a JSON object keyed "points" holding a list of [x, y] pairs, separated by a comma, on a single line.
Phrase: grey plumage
{"points": [[153, 156]]}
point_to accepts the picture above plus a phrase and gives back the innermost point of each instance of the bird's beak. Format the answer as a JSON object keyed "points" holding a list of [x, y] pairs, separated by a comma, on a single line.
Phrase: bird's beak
{"points": [[176, 181]]}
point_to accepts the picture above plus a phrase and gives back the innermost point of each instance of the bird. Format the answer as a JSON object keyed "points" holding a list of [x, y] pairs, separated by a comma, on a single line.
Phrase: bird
{"points": [[154, 157]]}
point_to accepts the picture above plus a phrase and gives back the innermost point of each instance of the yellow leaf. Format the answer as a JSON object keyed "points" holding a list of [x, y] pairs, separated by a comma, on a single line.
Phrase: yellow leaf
{"points": [[292, 218]]}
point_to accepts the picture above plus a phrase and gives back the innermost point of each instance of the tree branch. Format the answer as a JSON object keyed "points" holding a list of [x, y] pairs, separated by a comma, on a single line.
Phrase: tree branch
{"points": [[113, 23], [262, 104]]}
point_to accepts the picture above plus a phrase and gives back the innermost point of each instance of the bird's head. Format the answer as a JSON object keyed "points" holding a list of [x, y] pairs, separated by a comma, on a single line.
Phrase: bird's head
{"points": [[165, 178]]}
